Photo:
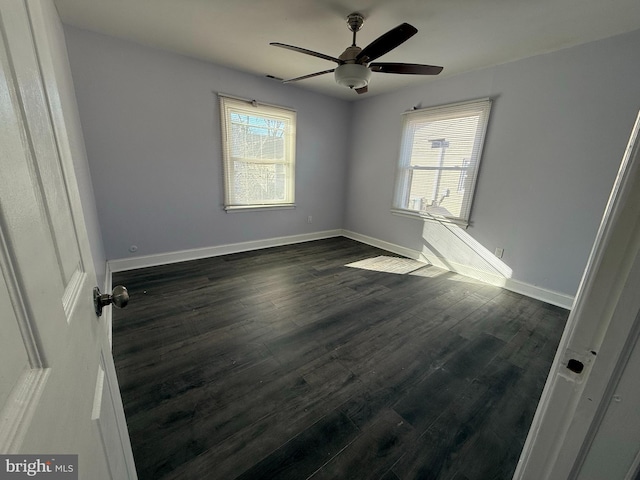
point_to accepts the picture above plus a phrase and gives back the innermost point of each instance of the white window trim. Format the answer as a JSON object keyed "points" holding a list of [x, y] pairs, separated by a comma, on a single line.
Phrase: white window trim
{"points": [[256, 208], [401, 188], [289, 201], [428, 217]]}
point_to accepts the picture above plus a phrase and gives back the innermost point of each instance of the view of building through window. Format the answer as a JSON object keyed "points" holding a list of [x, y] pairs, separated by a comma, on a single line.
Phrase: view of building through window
{"points": [[258, 151], [439, 165], [439, 159]]}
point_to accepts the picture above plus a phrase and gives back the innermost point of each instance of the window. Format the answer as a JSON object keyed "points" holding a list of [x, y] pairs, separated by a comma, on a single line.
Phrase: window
{"points": [[258, 153], [439, 159]]}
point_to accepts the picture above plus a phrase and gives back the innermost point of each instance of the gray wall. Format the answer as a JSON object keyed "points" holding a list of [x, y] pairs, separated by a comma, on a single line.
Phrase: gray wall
{"points": [[152, 130], [558, 129]]}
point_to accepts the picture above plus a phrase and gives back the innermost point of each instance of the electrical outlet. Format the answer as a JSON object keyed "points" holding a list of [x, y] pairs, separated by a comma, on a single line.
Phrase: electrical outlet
{"points": [[499, 252], [309, 219]]}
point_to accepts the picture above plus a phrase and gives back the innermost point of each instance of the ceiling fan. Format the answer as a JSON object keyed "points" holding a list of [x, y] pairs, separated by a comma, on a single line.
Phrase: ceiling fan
{"points": [[354, 67]]}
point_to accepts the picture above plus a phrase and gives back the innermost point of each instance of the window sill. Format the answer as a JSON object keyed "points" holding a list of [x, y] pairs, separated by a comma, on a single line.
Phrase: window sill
{"points": [[257, 208], [429, 218]]}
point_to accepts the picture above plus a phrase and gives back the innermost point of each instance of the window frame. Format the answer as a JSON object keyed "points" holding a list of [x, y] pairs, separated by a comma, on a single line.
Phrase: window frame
{"points": [[404, 171], [230, 104]]}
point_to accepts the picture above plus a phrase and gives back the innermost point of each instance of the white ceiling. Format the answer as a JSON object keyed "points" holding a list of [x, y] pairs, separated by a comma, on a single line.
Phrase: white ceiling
{"points": [[460, 35]]}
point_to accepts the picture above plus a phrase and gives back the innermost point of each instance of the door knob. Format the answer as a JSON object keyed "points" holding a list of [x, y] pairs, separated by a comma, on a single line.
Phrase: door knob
{"points": [[119, 297]]}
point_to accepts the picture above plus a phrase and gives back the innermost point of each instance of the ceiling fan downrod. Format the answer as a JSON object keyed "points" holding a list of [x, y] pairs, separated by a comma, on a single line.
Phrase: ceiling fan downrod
{"points": [[355, 21]]}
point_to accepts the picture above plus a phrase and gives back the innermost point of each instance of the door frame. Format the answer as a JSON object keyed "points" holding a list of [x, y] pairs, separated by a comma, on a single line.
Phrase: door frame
{"points": [[40, 87], [601, 333]]}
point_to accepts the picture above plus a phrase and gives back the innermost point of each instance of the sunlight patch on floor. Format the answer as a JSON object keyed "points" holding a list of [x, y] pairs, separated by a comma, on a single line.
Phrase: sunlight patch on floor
{"points": [[382, 263], [429, 271]]}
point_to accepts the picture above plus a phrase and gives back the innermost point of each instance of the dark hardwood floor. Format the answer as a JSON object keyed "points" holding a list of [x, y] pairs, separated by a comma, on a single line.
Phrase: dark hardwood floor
{"points": [[312, 361]]}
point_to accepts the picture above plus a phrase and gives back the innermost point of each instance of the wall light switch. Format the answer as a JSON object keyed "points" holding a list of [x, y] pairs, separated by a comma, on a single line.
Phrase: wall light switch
{"points": [[499, 252]]}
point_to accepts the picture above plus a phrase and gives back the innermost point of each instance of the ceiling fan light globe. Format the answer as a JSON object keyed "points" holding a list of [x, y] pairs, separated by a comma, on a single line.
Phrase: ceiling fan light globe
{"points": [[352, 75]]}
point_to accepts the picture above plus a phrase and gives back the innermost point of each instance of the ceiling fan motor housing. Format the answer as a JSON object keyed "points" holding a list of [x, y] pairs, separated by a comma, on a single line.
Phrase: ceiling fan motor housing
{"points": [[352, 75]]}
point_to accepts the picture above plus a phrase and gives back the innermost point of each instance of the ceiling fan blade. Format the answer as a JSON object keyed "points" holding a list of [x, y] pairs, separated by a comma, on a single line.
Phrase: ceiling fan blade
{"points": [[387, 42], [405, 68], [307, 52], [308, 76], [364, 89]]}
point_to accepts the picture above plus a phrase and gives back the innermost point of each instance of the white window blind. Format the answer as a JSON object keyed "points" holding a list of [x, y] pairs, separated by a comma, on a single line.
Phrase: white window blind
{"points": [[258, 151], [439, 160]]}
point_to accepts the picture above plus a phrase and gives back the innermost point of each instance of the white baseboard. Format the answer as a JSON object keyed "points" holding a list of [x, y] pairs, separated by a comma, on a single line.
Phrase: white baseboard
{"points": [[123, 264], [533, 291], [549, 296]]}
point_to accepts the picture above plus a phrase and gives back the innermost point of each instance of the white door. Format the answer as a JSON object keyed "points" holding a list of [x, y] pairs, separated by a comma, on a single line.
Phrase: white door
{"points": [[587, 426], [58, 389]]}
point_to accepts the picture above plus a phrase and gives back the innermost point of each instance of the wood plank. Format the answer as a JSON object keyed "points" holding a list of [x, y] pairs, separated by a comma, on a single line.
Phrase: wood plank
{"points": [[292, 362], [306, 452], [436, 454], [371, 455]]}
